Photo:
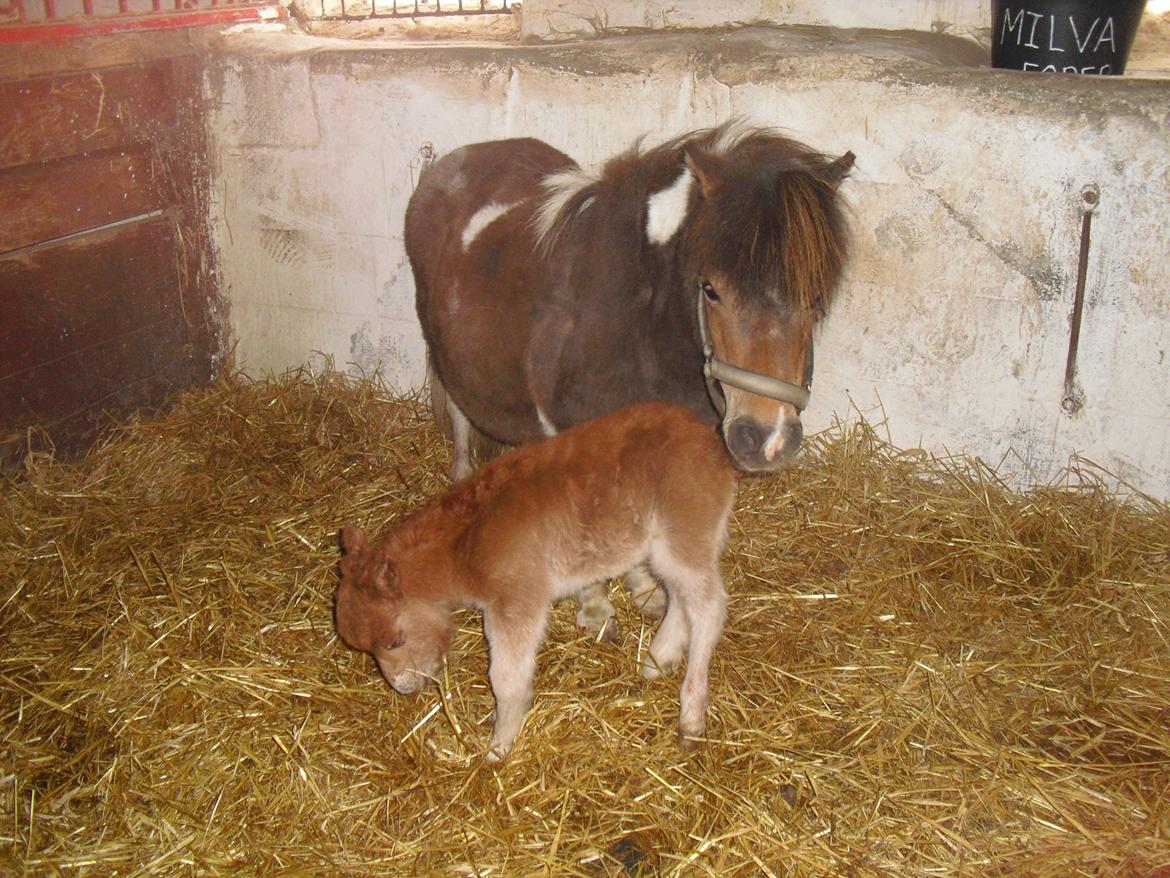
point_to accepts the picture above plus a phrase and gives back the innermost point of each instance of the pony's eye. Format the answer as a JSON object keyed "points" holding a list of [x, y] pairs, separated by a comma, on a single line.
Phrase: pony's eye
{"points": [[398, 642], [709, 291]]}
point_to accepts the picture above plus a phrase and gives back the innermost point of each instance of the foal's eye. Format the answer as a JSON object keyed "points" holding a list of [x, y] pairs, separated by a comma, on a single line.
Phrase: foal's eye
{"points": [[398, 642], [709, 291]]}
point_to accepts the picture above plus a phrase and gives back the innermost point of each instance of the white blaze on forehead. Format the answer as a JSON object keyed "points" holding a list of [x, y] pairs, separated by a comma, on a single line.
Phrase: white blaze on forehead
{"points": [[667, 208], [481, 219]]}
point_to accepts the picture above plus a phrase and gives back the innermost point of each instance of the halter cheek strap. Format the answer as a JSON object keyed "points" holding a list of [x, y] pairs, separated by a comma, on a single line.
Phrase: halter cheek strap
{"points": [[717, 370]]}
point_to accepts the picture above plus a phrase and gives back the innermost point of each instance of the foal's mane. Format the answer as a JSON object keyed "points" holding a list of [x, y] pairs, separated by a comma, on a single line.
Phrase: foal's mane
{"points": [[775, 221]]}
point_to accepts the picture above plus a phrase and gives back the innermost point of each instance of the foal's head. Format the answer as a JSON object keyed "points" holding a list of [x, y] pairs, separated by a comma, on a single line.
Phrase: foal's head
{"points": [[764, 245], [406, 634]]}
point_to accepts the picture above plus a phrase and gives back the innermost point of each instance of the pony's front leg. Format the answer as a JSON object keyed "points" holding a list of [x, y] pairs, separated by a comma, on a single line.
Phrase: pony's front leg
{"points": [[595, 613], [514, 634]]}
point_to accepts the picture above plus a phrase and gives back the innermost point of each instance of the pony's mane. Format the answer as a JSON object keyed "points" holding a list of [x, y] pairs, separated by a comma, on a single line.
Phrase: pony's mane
{"points": [[777, 223]]}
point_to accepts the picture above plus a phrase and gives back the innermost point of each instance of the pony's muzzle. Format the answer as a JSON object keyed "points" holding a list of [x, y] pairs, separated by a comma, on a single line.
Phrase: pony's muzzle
{"points": [[763, 447]]}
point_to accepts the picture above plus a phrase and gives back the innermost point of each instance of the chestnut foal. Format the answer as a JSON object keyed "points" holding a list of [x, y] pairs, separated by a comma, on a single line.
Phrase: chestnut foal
{"points": [[651, 482]]}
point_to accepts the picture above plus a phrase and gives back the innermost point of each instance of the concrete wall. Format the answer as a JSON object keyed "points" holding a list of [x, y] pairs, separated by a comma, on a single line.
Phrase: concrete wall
{"points": [[574, 19], [953, 321]]}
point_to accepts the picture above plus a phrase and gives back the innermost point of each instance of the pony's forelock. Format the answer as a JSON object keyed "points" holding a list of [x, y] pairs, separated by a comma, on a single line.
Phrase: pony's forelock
{"points": [[790, 233]]}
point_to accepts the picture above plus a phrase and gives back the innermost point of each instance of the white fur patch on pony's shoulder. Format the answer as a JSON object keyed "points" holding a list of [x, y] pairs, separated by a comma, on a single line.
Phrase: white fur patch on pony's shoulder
{"points": [[667, 208], [481, 219]]}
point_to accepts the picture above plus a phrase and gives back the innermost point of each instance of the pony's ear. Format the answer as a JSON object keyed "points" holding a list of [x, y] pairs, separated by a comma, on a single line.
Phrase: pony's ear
{"points": [[353, 540], [839, 169], [705, 167]]}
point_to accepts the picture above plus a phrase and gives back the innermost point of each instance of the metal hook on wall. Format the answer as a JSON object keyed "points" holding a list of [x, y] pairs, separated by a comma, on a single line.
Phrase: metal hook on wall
{"points": [[1074, 399], [421, 161]]}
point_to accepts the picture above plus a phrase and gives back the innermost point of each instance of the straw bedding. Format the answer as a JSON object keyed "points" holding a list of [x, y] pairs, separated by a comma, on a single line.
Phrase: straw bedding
{"points": [[923, 673]]}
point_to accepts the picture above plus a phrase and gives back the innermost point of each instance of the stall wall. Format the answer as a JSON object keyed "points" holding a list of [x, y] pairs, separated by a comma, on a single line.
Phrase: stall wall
{"points": [[952, 327], [107, 293]]}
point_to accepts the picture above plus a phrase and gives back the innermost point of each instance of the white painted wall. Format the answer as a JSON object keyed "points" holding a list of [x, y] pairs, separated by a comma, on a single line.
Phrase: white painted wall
{"points": [[576, 19], [953, 320]]}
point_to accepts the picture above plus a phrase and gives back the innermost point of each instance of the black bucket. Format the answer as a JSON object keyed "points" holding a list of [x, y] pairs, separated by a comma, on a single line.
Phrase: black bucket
{"points": [[1064, 36]]}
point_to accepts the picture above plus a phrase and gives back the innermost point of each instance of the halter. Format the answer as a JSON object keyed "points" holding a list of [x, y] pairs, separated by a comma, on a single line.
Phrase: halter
{"points": [[717, 370]]}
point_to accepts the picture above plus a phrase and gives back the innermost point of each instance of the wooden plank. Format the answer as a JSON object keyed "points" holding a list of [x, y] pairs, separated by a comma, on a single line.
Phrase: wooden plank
{"points": [[70, 400], [59, 116], [80, 293], [101, 328], [56, 198]]}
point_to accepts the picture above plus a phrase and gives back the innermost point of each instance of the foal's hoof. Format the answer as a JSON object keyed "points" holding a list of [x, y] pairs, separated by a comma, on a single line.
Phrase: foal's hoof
{"points": [[689, 742], [602, 626], [496, 754], [651, 603], [652, 668], [609, 631]]}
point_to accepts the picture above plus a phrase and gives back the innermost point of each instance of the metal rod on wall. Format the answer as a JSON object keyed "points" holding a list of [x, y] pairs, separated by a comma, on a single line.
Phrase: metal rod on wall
{"points": [[1074, 399]]}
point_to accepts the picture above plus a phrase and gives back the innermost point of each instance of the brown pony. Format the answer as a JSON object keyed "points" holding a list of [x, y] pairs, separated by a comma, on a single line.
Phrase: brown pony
{"points": [[694, 271], [650, 483]]}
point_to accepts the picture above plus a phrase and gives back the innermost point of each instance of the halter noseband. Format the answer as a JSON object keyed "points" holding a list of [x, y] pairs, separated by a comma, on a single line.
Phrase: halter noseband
{"points": [[717, 370]]}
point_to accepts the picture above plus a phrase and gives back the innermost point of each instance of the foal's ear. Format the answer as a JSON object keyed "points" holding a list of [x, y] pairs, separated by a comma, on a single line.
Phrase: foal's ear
{"points": [[706, 167], [385, 578], [353, 540], [839, 169]]}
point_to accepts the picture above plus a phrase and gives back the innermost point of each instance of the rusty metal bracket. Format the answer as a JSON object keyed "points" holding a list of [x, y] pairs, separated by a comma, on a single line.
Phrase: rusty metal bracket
{"points": [[1074, 398], [419, 164]]}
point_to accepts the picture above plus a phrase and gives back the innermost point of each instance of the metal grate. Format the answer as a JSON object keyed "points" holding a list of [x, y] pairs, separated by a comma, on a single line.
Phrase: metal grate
{"points": [[45, 19], [354, 10]]}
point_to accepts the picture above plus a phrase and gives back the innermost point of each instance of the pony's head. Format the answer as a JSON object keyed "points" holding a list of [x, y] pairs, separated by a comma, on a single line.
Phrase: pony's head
{"points": [[407, 635], [762, 244]]}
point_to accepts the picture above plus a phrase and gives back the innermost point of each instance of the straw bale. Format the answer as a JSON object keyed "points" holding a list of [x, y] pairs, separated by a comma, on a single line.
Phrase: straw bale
{"points": [[923, 672]]}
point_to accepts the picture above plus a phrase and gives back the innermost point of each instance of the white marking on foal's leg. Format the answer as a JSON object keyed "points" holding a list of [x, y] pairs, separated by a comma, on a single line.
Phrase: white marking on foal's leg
{"points": [[595, 613], [481, 219], [513, 641], [648, 596], [461, 434], [667, 208]]}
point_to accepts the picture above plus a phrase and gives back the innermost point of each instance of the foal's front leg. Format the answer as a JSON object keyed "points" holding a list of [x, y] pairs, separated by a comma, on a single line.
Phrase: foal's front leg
{"points": [[514, 635]]}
